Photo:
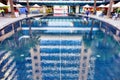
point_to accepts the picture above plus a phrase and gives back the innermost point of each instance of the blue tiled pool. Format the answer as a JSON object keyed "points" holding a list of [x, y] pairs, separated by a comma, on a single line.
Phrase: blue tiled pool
{"points": [[67, 52]]}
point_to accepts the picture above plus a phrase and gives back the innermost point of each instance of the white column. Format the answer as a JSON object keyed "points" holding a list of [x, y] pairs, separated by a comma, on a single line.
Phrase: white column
{"points": [[68, 9], [8, 3], [44, 9], [77, 9]]}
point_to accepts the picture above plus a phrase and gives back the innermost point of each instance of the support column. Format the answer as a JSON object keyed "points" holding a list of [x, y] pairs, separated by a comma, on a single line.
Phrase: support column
{"points": [[109, 9], [44, 9], [94, 12], [28, 6], [77, 9], [12, 9], [69, 9]]}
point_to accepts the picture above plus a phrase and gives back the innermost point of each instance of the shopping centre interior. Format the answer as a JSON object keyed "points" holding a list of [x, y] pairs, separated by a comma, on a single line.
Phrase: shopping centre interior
{"points": [[50, 6], [58, 40]]}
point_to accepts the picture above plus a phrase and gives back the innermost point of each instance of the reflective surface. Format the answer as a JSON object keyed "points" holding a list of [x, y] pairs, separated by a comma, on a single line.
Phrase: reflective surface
{"points": [[68, 53]]}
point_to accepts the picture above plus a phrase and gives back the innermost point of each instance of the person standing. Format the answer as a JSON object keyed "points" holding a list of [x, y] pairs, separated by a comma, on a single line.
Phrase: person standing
{"points": [[87, 12], [16, 12], [118, 11], [2, 12], [26, 12]]}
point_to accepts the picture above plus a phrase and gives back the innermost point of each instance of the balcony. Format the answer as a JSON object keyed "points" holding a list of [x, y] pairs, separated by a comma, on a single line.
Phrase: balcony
{"points": [[61, 1]]}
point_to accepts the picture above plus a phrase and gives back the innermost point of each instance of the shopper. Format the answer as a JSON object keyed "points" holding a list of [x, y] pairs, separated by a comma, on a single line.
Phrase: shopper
{"points": [[2, 12], [87, 12], [26, 12]]}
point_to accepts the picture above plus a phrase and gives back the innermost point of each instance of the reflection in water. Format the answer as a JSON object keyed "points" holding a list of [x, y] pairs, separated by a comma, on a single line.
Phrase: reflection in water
{"points": [[60, 57], [36, 66]]}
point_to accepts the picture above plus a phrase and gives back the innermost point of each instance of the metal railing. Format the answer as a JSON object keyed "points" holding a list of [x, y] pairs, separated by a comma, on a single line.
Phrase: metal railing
{"points": [[57, 0], [62, 1]]}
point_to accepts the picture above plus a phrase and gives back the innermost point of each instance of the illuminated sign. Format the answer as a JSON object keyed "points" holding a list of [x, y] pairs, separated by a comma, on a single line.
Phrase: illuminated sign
{"points": [[60, 10]]}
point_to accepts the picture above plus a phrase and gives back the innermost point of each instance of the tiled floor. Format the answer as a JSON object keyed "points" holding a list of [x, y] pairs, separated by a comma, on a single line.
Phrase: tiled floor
{"points": [[7, 19], [116, 23]]}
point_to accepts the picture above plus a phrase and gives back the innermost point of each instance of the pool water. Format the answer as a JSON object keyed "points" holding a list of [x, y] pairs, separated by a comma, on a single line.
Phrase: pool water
{"points": [[60, 52]]}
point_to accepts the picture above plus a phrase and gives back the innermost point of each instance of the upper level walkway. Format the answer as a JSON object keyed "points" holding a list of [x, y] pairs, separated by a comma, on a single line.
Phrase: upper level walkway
{"points": [[7, 20], [60, 2]]}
